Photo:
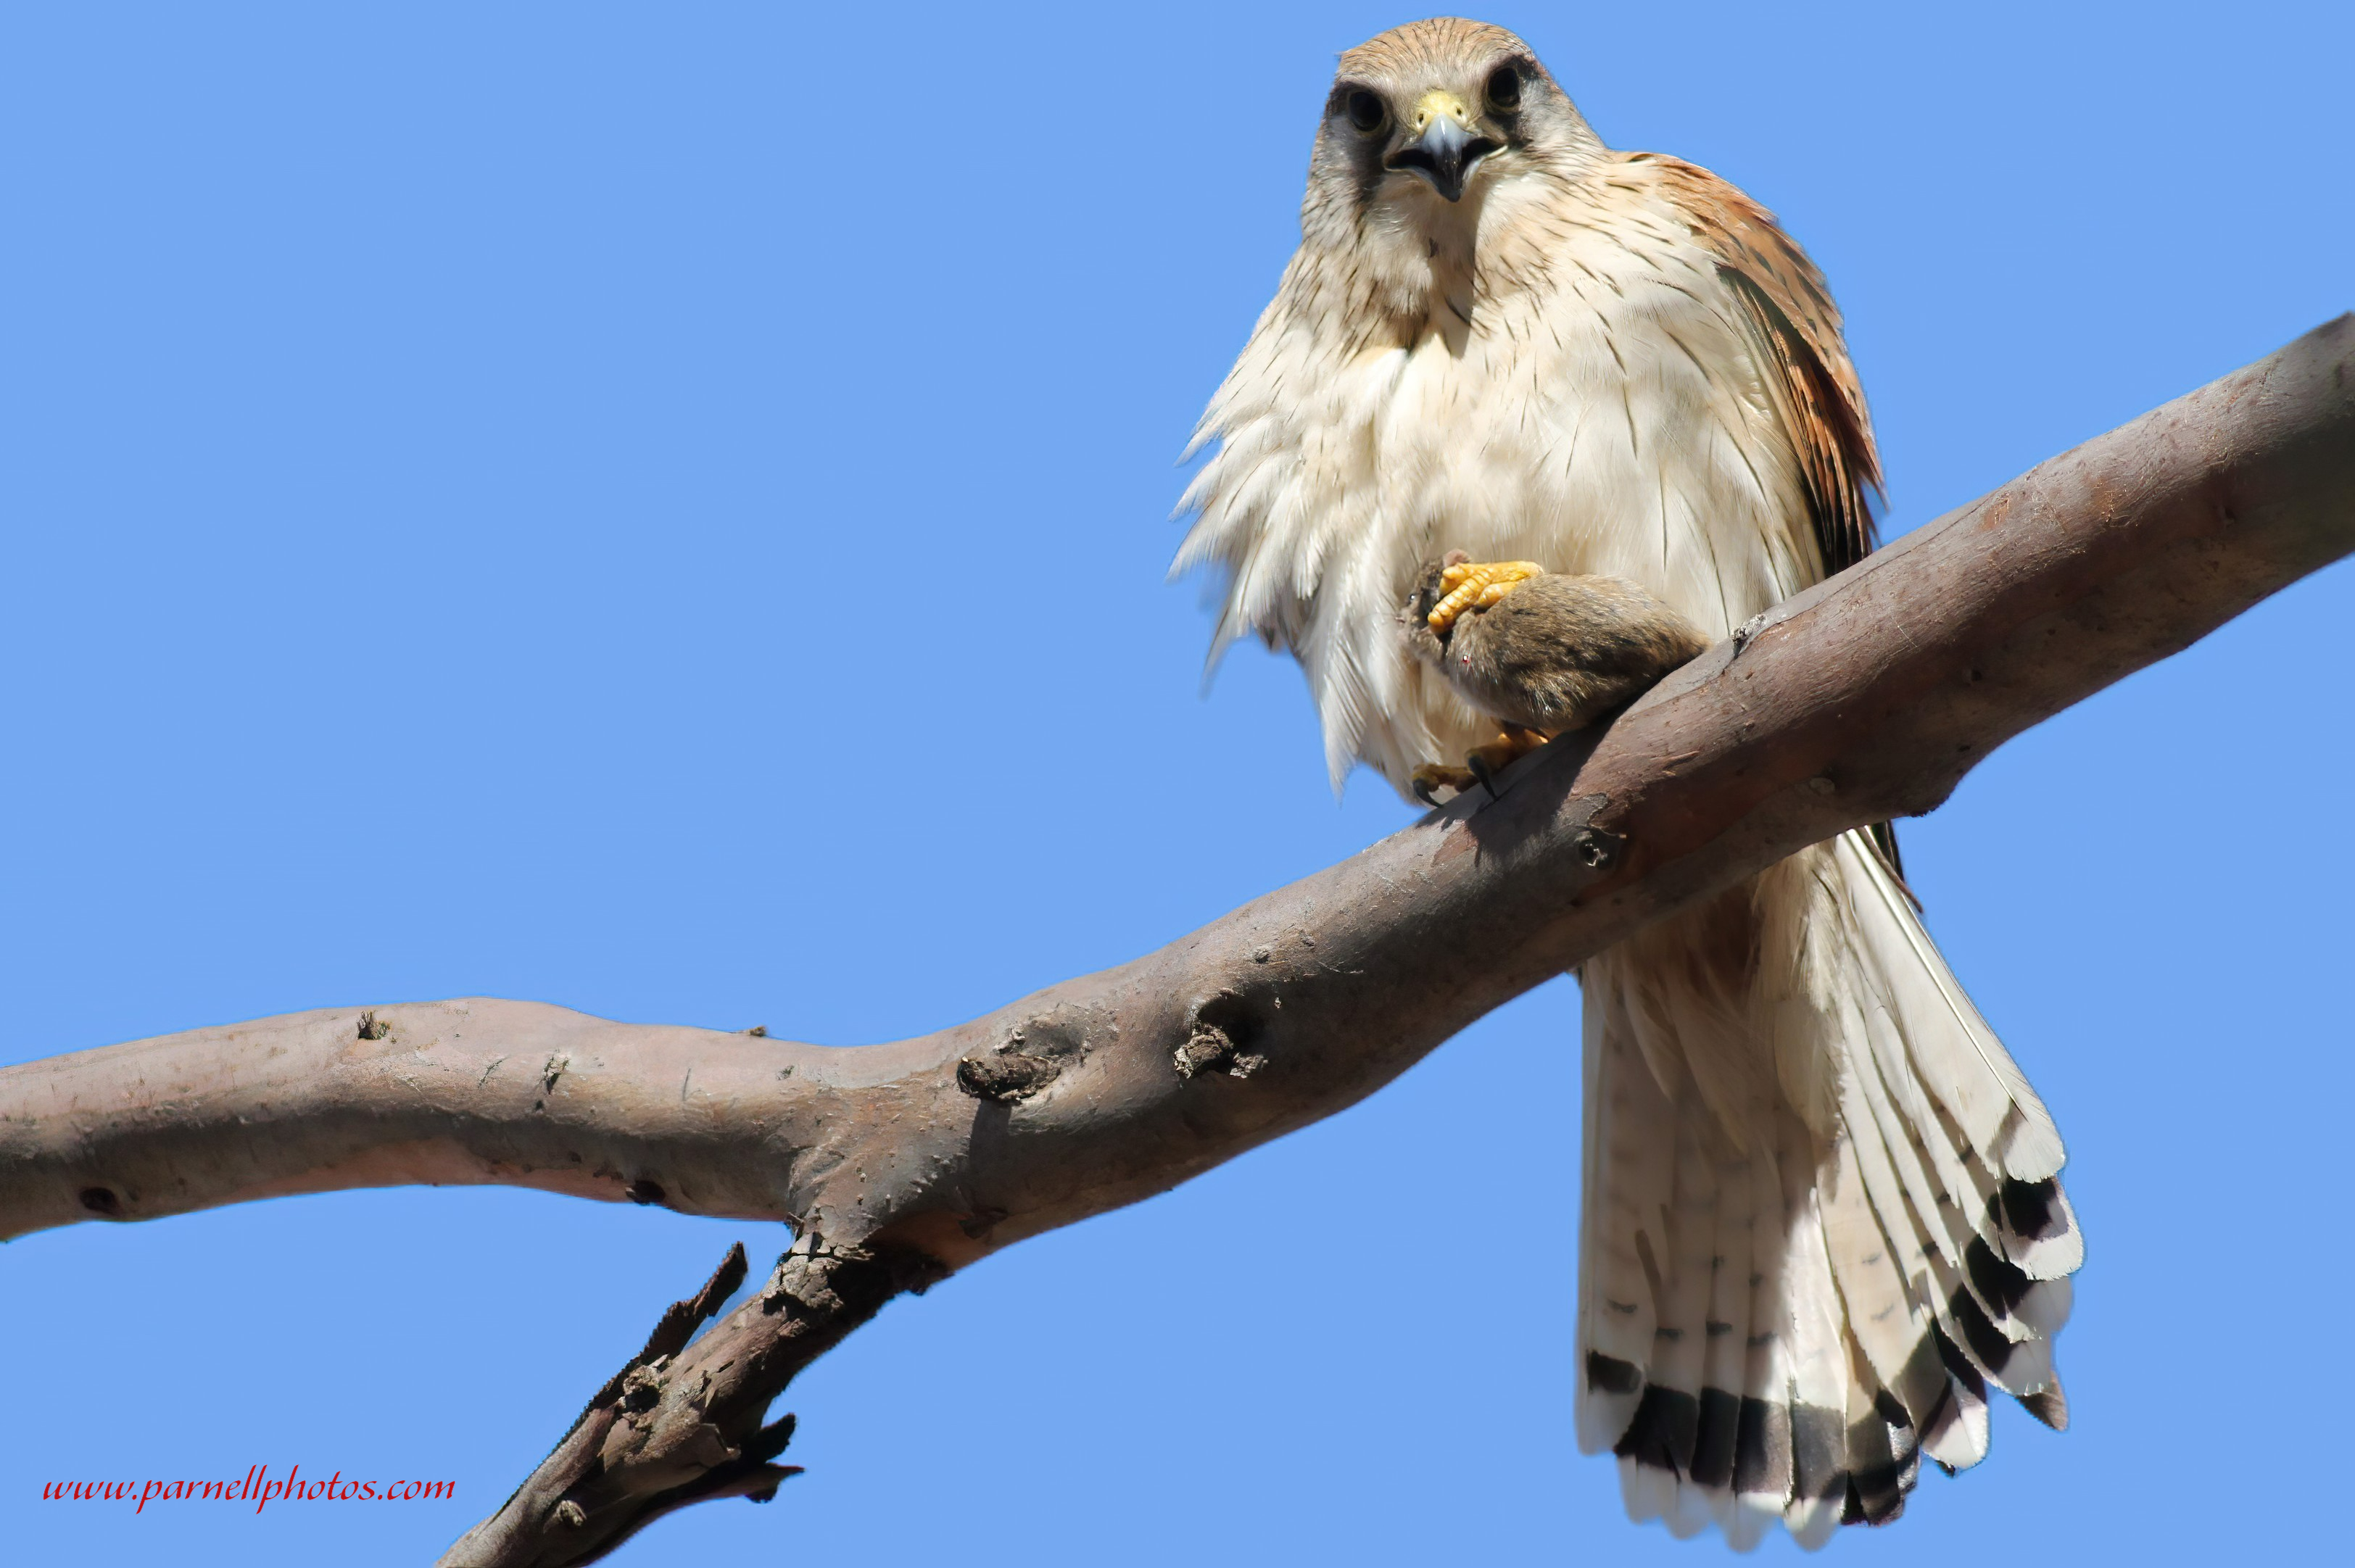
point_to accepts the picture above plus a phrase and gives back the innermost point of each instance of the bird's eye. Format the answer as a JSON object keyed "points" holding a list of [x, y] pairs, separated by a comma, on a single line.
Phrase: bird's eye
{"points": [[1366, 112], [1505, 89]]}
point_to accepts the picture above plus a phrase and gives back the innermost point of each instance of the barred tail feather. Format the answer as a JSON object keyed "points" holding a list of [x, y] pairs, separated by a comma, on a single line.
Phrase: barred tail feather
{"points": [[1821, 1212], [1761, 1461], [1628, 1174], [1819, 1366]]}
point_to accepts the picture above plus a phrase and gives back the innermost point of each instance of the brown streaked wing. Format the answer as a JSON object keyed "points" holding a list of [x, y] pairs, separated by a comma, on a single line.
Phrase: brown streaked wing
{"points": [[1792, 311]]}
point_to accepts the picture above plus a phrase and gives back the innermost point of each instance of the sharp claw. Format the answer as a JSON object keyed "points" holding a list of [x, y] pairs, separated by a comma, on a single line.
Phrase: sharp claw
{"points": [[1478, 766], [1431, 777]]}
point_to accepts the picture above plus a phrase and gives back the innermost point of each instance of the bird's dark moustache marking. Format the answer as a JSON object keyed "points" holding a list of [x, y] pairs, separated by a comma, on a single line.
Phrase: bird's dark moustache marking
{"points": [[1762, 1449], [1987, 1347], [2027, 1208], [1609, 1374], [1999, 1280], [1662, 1432], [1719, 1434], [1364, 153]]}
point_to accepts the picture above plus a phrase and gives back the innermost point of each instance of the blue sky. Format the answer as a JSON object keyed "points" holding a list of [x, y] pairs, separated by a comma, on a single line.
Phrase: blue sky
{"points": [[438, 437]]}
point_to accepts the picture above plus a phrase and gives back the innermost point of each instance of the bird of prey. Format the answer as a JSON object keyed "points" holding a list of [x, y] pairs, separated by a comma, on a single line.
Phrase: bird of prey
{"points": [[1819, 1216]]}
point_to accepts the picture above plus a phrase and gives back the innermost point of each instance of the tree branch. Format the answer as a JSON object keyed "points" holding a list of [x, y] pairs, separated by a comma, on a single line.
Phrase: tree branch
{"points": [[1866, 698]]}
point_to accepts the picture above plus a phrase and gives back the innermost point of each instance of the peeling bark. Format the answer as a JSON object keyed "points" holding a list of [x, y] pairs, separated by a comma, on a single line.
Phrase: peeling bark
{"points": [[1866, 698]]}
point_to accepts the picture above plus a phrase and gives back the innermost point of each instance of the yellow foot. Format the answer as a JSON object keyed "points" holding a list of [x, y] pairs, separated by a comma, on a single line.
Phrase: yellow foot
{"points": [[1426, 780], [1480, 768], [1476, 585], [1506, 749]]}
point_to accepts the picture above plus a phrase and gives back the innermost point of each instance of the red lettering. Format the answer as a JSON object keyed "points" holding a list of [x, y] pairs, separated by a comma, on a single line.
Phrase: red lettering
{"points": [[256, 1485]]}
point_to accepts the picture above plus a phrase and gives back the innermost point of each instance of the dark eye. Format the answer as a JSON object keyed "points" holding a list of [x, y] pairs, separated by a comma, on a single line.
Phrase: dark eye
{"points": [[1505, 89], [1366, 111]]}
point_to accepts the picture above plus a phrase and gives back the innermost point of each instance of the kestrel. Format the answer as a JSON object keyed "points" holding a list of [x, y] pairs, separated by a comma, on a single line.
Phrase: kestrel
{"points": [[1819, 1210]]}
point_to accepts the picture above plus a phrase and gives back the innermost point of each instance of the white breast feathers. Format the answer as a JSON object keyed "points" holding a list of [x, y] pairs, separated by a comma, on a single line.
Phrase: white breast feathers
{"points": [[1585, 393]]}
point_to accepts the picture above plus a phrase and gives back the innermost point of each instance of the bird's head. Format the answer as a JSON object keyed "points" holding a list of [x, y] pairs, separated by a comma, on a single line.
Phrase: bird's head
{"points": [[1431, 117]]}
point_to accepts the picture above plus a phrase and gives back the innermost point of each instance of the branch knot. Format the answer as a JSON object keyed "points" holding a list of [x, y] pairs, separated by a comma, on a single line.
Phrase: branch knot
{"points": [[1224, 1029], [1020, 1067], [1006, 1076]]}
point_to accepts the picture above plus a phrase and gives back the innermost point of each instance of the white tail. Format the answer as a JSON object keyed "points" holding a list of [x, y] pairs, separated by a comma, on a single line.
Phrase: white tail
{"points": [[1820, 1213]]}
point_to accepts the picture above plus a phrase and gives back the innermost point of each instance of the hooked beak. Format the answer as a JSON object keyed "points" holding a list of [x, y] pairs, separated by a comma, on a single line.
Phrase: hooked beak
{"points": [[1447, 151]]}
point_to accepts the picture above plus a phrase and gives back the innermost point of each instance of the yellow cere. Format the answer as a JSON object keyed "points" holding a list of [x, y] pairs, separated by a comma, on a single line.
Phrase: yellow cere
{"points": [[1476, 585], [1438, 101]]}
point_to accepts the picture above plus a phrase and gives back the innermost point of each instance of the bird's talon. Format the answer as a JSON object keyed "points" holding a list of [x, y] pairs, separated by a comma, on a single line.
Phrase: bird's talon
{"points": [[1434, 776], [1476, 585], [1477, 766]]}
